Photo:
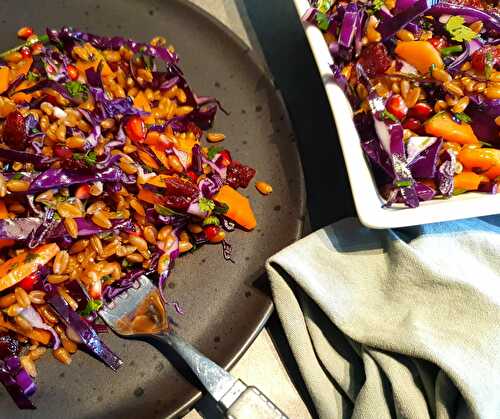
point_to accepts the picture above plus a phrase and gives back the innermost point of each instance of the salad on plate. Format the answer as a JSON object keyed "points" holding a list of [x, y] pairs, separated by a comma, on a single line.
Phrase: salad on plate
{"points": [[104, 177]]}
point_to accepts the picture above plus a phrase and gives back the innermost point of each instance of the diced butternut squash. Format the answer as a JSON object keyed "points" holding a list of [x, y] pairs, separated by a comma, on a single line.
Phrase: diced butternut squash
{"points": [[82, 66], [239, 210], [469, 181], [142, 102], [24, 264], [4, 79], [21, 97], [479, 158], [420, 54], [442, 125]]}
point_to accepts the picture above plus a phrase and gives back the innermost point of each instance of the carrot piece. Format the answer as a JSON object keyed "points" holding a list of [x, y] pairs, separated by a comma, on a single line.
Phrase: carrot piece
{"points": [[3, 210], [147, 159], [23, 67], [442, 125], [4, 79], [239, 210], [82, 66], [158, 180], [468, 180], [160, 154], [420, 54], [142, 102], [40, 335], [20, 266], [21, 97], [26, 84], [150, 197], [480, 158]]}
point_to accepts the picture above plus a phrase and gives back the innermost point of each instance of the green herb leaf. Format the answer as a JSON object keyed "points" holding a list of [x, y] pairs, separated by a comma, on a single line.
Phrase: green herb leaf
{"points": [[377, 5], [90, 158], [463, 117], [212, 151], [458, 31], [17, 176], [107, 235], [206, 205], [403, 183], [30, 257], [432, 68], [78, 156], [220, 209], [77, 89], [165, 211], [212, 220], [106, 278], [445, 52], [56, 216], [387, 115], [324, 5], [32, 76], [488, 64], [322, 21], [125, 263], [92, 305]]}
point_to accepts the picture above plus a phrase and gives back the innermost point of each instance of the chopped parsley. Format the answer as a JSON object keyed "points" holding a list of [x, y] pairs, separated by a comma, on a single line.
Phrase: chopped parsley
{"points": [[387, 115], [32, 76], [458, 31], [77, 89], [212, 151], [165, 211], [90, 158], [463, 117], [324, 5], [322, 21], [445, 52], [125, 263], [403, 183], [56, 216], [17, 176], [92, 306], [488, 64], [220, 209], [30, 257], [206, 205], [377, 5], [212, 220]]}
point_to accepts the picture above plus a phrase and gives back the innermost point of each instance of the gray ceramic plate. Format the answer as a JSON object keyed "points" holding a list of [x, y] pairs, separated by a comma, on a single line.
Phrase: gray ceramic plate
{"points": [[224, 311]]}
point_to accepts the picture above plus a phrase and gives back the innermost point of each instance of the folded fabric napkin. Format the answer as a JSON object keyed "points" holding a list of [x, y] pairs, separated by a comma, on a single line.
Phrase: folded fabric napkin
{"points": [[395, 323]]}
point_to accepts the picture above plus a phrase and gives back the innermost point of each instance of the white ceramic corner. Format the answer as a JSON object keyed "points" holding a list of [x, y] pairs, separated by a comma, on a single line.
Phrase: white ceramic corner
{"points": [[367, 200]]}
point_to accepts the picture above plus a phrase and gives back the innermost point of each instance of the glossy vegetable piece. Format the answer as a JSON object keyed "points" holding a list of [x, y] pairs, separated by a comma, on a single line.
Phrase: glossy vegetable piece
{"points": [[4, 79], [420, 54], [24, 264], [159, 180], [150, 197], [469, 181], [239, 210], [147, 159], [479, 158], [40, 335], [442, 125]]}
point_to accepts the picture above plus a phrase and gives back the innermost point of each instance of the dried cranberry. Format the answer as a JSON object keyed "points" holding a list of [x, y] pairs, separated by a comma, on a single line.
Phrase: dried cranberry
{"points": [[374, 59], [412, 124], [9, 346], [179, 193], [14, 131], [238, 175]]}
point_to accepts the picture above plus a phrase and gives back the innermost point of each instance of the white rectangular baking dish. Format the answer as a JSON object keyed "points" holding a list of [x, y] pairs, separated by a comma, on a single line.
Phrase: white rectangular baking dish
{"points": [[367, 200]]}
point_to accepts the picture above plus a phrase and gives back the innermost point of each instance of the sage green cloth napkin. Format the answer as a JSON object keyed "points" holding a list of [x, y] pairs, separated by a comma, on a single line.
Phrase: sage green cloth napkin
{"points": [[395, 323]]}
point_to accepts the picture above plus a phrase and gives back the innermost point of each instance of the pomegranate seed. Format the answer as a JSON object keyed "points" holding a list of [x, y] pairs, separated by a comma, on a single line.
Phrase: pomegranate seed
{"points": [[135, 129], [83, 192], [224, 158], [412, 124], [36, 48], [63, 152], [25, 32], [478, 61], [397, 106], [211, 232], [192, 175], [72, 72], [28, 283], [421, 111], [25, 52], [438, 42]]}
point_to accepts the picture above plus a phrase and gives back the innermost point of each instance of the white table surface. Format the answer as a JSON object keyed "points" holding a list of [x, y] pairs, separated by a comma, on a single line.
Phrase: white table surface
{"points": [[261, 365]]}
